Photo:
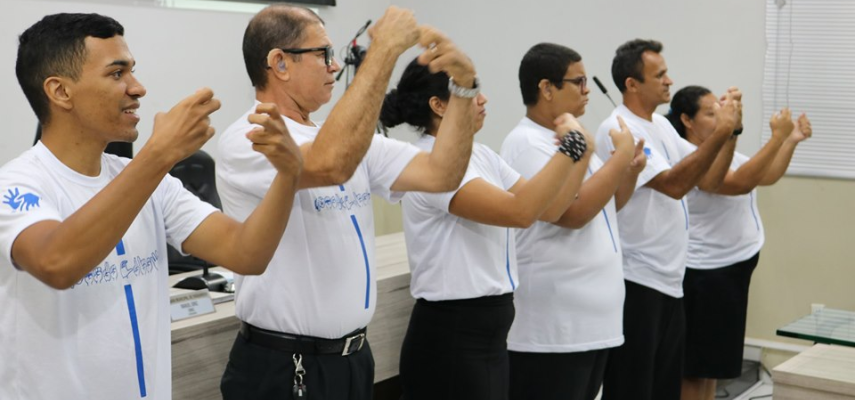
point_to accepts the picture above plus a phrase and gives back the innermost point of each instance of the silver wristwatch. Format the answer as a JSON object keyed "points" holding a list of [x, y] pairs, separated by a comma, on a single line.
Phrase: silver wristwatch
{"points": [[459, 91]]}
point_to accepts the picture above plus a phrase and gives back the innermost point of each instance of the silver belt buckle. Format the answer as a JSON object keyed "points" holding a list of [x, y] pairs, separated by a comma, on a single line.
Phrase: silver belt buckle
{"points": [[353, 341]]}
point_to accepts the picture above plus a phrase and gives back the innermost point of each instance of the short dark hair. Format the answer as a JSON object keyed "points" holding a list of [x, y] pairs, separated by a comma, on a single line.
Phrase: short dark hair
{"points": [[56, 46], [686, 101], [277, 26], [409, 102], [628, 62], [544, 61]]}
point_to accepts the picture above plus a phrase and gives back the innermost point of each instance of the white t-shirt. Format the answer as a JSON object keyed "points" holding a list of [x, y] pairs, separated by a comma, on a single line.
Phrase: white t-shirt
{"points": [[107, 337], [654, 228], [321, 281], [452, 257], [723, 230], [571, 290]]}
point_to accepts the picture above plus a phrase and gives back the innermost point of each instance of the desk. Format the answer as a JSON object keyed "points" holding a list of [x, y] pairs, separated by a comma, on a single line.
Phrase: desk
{"points": [[828, 326], [822, 372], [200, 345]]}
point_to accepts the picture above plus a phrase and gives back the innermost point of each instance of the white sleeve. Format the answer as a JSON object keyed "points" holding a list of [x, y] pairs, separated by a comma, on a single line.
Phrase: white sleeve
{"points": [[508, 175], [684, 147], [182, 211], [531, 160], [656, 164], [441, 201], [24, 203], [241, 167], [385, 161]]}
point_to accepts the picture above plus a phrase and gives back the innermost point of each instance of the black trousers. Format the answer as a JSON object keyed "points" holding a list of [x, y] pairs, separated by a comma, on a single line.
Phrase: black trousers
{"points": [[649, 365], [557, 376], [716, 310], [259, 373], [457, 349]]}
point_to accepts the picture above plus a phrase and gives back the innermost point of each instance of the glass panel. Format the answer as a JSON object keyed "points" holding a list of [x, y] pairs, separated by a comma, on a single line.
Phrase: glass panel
{"points": [[823, 326]]}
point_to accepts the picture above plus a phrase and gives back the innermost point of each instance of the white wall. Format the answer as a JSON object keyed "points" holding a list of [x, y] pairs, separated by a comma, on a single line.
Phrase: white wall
{"points": [[712, 43], [716, 44], [177, 52]]}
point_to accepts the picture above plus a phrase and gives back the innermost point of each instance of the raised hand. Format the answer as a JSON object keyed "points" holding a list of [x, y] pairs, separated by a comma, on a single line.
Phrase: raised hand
{"points": [[274, 141], [183, 130], [639, 160], [442, 54], [782, 124], [567, 122], [729, 113], [622, 139], [396, 30], [803, 130], [736, 94]]}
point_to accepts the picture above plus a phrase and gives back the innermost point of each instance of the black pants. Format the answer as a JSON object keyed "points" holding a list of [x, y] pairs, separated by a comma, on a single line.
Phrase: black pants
{"points": [[457, 349], [259, 373], [557, 376], [716, 309], [649, 365]]}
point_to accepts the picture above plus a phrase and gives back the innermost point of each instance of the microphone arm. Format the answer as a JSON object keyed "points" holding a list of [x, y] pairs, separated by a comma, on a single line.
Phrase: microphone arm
{"points": [[348, 59], [603, 89]]}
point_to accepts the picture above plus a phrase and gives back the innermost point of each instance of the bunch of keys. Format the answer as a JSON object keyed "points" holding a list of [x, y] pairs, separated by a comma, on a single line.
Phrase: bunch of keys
{"points": [[299, 390]]}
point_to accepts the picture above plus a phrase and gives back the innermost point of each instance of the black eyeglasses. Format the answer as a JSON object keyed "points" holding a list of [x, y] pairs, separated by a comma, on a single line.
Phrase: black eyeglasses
{"points": [[328, 52], [581, 82]]}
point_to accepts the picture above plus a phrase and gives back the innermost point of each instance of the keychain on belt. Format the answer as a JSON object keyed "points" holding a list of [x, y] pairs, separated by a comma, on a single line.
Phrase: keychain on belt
{"points": [[299, 390]]}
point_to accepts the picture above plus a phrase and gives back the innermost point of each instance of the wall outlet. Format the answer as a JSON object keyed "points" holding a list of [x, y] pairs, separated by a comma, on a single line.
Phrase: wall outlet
{"points": [[816, 307]]}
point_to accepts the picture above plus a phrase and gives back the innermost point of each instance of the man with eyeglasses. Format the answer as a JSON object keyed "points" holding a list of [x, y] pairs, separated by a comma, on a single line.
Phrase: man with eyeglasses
{"points": [[569, 302], [654, 224], [303, 324]]}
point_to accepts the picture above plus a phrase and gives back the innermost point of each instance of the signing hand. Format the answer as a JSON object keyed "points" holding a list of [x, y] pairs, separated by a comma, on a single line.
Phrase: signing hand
{"points": [[273, 140], [441, 54], [567, 122], [803, 130], [736, 94], [622, 139], [183, 130], [396, 30], [782, 124]]}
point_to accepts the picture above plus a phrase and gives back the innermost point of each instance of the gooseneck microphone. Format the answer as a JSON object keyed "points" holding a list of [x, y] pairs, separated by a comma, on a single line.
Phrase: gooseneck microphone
{"points": [[354, 53], [603, 89]]}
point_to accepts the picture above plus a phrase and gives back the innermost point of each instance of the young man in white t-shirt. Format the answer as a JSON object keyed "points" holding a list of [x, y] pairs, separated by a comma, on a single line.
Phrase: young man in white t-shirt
{"points": [[83, 278], [303, 322], [654, 224], [569, 303]]}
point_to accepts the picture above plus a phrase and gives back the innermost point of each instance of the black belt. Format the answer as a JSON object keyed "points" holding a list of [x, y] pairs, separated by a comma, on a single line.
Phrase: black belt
{"points": [[303, 344]]}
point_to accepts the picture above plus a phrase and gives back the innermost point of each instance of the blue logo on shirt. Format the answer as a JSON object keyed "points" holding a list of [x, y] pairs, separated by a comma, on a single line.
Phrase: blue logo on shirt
{"points": [[648, 153], [20, 202], [343, 203]]}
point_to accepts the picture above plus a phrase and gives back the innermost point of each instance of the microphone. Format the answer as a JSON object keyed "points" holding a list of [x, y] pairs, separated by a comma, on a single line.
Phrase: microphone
{"points": [[362, 30], [603, 89], [356, 53]]}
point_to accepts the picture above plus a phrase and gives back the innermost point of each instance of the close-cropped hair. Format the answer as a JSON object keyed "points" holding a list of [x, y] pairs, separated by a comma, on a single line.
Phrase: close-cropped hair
{"points": [[409, 102], [628, 62], [686, 101], [277, 26], [56, 46], [544, 61]]}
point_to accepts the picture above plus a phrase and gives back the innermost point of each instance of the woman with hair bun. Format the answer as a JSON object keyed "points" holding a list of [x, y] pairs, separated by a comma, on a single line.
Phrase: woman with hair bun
{"points": [[725, 237], [461, 251]]}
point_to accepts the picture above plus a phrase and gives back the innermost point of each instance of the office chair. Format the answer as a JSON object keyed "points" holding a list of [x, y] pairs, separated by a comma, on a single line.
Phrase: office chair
{"points": [[197, 174]]}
